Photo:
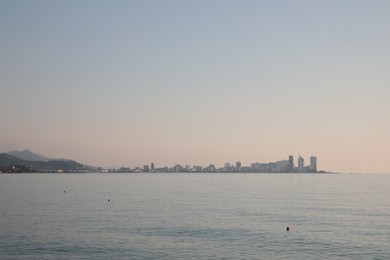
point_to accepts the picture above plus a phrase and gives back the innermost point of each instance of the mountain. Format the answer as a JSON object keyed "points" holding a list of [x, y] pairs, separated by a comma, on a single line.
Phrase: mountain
{"points": [[9, 163], [6, 159], [62, 165], [28, 156]]}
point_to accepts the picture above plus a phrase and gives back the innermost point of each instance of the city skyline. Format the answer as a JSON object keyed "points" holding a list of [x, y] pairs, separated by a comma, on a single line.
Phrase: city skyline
{"points": [[123, 83], [281, 166], [29, 162]]}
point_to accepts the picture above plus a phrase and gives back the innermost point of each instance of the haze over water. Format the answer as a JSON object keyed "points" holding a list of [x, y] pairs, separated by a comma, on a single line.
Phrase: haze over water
{"points": [[194, 216]]}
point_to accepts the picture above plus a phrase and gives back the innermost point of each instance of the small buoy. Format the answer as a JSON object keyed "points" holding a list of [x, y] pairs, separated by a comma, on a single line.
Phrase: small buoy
{"points": [[64, 191], [288, 228], [108, 200]]}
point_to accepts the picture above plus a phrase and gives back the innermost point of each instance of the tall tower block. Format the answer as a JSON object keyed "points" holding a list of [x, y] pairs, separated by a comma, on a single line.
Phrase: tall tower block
{"points": [[313, 164], [291, 163]]}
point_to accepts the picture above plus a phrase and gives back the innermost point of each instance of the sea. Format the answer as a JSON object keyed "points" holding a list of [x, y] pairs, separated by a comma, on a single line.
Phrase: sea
{"points": [[194, 216]]}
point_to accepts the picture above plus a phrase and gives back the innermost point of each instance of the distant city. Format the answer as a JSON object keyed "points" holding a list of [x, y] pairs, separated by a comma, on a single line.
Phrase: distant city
{"points": [[27, 161], [283, 166]]}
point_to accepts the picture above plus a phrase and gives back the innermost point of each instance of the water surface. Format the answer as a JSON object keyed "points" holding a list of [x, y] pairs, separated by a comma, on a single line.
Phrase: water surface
{"points": [[194, 216]]}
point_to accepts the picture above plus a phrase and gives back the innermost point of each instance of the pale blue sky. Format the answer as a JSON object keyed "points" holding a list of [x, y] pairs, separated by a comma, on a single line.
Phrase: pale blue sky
{"points": [[125, 83]]}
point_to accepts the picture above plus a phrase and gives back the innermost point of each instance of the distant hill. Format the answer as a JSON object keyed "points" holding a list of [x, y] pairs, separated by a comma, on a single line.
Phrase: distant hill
{"points": [[9, 163], [29, 156], [6, 159]]}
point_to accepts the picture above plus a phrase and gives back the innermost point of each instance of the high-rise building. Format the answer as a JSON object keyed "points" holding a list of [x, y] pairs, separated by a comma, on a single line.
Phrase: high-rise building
{"points": [[301, 164], [238, 165], [313, 164], [290, 163], [152, 166], [282, 166], [211, 168], [178, 168]]}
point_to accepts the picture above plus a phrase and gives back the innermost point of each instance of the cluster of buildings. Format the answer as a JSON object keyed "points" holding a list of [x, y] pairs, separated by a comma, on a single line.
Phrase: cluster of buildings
{"points": [[284, 166], [312, 167]]}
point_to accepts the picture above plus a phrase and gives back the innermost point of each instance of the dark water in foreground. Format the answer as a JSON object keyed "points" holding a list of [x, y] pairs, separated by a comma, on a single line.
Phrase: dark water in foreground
{"points": [[194, 216]]}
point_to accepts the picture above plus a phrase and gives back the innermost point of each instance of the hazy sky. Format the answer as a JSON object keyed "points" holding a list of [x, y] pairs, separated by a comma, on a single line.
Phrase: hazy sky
{"points": [[126, 83]]}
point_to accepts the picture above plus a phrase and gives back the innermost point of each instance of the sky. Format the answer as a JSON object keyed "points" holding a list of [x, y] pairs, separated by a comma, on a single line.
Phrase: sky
{"points": [[127, 83]]}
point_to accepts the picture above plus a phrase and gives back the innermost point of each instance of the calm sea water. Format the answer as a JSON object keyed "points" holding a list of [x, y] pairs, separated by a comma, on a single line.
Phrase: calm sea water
{"points": [[194, 216]]}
